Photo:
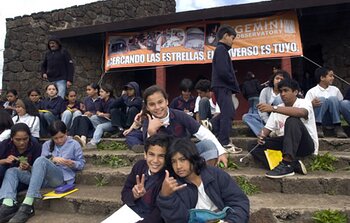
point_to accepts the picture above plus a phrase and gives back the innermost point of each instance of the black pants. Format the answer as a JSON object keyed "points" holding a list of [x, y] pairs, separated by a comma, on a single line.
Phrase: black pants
{"points": [[122, 118], [296, 142], [223, 121], [81, 126]]}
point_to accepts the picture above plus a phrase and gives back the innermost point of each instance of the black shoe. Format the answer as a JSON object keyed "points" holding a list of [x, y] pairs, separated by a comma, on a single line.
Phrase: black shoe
{"points": [[299, 167], [282, 170], [320, 133], [23, 214], [339, 132], [7, 212]]}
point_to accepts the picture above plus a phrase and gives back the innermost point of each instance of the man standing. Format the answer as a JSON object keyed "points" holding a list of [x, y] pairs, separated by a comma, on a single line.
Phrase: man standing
{"points": [[224, 84], [58, 66], [293, 121]]}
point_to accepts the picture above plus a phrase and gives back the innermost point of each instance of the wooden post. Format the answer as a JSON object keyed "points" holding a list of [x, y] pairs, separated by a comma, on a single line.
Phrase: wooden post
{"points": [[286, 64], [161, 77]]}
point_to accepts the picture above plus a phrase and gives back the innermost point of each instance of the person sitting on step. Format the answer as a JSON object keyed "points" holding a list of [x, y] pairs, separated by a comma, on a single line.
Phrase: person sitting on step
{"points": [[293, 121], [144, 182], [190, 184], [125, 108], [184, 102], [60, 159], [325, 99], [269, 95], [102, 119], [163, 119]]}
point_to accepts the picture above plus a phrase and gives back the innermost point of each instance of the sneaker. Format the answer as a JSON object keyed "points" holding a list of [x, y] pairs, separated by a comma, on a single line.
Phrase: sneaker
{"points": [[91, 145], [230, 148], [80, 141], [340, 132], [138, 148], [207, 124], [299, 167], [23, 214], [320, 131], [7, 212], [280, 171]]}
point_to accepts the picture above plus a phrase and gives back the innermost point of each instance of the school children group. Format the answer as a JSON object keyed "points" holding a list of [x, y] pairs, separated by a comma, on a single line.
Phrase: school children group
{"points": [[178, 175]]}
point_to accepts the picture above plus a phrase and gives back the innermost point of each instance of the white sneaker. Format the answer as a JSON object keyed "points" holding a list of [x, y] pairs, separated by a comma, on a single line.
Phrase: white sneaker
{"points": [[91, 145], [207, 124], [231, 148]]}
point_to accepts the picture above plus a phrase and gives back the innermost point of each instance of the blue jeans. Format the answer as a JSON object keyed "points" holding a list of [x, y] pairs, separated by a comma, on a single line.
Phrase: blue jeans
{"points": [[345, 110], [101, 125], [254, 122], [329, 105], [62, 87], [253, 101], [67, 117], [207, 150], [44, 174]]}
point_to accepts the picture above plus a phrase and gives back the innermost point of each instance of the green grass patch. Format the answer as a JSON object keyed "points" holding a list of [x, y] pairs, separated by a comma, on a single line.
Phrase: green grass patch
{"points": [[101, 181], [329, 216], [112, 161], [108, 145], [230, 164], [247, 187], [323, 162]]}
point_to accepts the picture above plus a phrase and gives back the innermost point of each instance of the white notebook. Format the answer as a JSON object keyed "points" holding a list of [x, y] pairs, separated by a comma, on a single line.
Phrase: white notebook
{"points": [[124, 214]]}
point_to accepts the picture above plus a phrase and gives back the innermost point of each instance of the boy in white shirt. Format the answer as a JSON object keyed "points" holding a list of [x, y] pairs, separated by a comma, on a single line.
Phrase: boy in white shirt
{"points": [[325, 100], [294, 123]]}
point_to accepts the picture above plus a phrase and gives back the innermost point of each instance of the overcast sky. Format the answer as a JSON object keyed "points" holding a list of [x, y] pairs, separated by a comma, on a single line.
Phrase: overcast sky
{"points": [[15, 8]]}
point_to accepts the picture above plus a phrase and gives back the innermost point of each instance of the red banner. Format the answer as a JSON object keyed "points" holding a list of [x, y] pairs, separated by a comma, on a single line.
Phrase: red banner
{"points": [[273, 36]]}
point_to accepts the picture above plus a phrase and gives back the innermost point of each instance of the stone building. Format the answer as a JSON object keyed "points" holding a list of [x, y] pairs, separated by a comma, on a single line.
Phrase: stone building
{"points": [[26, 39]]}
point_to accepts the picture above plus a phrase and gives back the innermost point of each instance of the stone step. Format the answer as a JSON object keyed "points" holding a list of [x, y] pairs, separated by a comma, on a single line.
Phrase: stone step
{"points": [[316, 182], [129, 157], [49, 216], [330, 143], [294, 208], [95, 203], [88, 200]]}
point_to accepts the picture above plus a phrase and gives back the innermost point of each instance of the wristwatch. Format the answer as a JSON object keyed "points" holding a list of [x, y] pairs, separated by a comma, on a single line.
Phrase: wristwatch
{"points": [[275, 107]]}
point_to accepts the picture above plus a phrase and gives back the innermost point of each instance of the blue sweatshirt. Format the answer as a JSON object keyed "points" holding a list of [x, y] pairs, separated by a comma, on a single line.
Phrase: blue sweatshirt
{"points": [[71, 149]]}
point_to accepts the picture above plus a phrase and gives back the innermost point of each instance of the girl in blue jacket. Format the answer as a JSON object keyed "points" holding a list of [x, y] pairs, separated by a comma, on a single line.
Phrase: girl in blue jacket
{"points": [[195, 185], [60, 159]]}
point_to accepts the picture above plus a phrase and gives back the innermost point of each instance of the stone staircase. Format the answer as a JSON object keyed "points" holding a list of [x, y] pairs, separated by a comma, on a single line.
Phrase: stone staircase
{"points": [[292, 199]]}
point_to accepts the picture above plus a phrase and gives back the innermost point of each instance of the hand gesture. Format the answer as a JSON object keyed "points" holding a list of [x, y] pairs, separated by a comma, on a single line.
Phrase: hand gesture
{"points": [[261, 137], [223, 159], [24, 166], [127, 131], [88, 114], [316, 102], [264, 107], [170, 185], [139, 189], [10, 159], [153, 125]]}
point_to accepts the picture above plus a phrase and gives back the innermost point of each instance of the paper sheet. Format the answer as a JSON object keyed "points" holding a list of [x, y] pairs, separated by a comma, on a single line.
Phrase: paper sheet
{"points": [[124, 214]]}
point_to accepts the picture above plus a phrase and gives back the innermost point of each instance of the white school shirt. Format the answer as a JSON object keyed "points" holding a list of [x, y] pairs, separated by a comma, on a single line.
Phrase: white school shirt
{"points": [[33, 122], [318, 91], [276, 121], [204, 201], [214, 108]]}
